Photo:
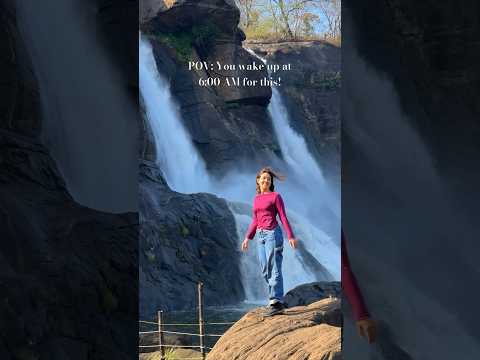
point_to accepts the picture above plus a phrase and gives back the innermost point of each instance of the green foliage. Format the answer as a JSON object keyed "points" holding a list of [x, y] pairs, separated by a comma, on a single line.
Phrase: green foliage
{"points": [[328, 81], [200, 37], [150, 256], [181, 42], [184, 230]]}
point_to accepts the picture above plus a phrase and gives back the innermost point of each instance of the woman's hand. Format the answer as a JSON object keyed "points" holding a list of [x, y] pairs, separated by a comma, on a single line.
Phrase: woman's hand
{"points": [[293, 243], [245, 244], [367, 328]]}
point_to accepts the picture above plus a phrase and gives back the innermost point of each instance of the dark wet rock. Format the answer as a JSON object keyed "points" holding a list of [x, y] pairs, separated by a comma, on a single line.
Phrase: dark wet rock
{"points": [[185, 239], [19, 97], [66, 269], [307, 294], [115, 18]]}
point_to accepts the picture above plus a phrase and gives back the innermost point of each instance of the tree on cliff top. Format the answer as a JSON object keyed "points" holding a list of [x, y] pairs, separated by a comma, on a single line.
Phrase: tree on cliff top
{"points": [[291, 19]]}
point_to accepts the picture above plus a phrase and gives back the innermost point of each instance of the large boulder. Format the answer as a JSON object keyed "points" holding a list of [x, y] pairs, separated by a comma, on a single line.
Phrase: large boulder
{"points": [[212, 27], [182, 14], [304, 332], [307, 294]]}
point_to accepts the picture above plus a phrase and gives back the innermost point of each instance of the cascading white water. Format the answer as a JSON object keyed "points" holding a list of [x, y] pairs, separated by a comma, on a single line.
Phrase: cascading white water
{"points": [[305, 168], [293, 146], [320, 203], [254, 284], [182, 167], [185, 172], [87, 119]]}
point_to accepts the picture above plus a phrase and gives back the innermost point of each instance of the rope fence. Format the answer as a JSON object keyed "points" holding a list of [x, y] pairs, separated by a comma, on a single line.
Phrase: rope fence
{"points": [[180, 324], [176, 332], [201, 333]]}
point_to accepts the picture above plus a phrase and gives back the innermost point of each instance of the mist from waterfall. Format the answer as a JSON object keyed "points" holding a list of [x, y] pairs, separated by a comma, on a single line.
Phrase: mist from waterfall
{"points": [[319, 258], [183, 168]]}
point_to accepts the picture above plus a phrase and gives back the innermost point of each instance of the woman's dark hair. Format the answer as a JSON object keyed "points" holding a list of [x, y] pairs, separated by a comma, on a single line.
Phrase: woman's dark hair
{"points": [[272, 174]]}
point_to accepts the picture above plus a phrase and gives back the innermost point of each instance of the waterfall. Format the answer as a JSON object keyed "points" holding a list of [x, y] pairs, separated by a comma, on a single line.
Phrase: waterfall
{"points": [[178, 159], [319, 201], [293, 145], [319, 255], [88, 119]]}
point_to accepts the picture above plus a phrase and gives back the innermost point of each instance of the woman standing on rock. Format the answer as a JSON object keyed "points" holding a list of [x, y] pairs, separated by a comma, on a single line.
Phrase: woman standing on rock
{"points": [[266, 206]]}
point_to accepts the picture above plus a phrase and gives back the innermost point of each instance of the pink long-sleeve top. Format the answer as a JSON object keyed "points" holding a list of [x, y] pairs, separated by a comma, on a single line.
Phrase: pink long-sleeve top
{"points": [[350, 286], [266, 206]]}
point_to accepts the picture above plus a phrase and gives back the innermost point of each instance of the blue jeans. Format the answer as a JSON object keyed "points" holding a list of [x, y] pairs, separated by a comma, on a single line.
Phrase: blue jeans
{"points": [[270, 255]]}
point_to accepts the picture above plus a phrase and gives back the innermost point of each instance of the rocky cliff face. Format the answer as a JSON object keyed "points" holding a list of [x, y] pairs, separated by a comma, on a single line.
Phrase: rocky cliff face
{"points": [[19, 88], [184, 240], [410, 149], [66, 271]]}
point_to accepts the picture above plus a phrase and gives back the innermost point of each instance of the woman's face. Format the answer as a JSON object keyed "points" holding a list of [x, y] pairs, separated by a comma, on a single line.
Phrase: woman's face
{"points": [[264, 181]]}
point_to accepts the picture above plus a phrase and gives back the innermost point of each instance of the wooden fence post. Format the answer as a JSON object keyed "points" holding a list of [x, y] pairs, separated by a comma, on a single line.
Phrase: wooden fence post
{"points": [[160, 334], [200, 319]]}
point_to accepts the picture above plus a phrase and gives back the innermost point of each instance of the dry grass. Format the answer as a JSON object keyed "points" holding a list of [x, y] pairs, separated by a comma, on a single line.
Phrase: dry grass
{"points": [[172, 355]]}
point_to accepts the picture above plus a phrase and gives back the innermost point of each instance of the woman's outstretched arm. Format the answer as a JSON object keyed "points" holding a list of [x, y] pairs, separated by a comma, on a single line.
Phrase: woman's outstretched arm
{"points": [[365, 325], [350, 286], [252, 229], [283, 216]]}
